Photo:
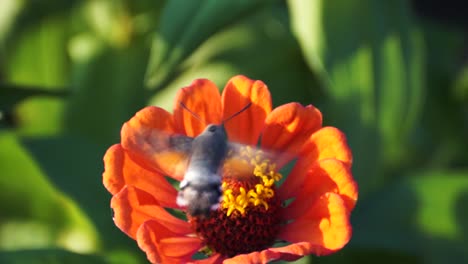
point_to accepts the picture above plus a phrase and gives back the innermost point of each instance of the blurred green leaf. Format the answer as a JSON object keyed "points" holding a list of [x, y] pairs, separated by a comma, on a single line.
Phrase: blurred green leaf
{"points": [[370, 55], [36, 214], [36, 57], [423, 214], [184, 25], [11, 96], [246, 48], [47, 256], [366, 255], [39, 55], [442, 140], [461, 85], [9, 10], [108, 90], [75, 167]]}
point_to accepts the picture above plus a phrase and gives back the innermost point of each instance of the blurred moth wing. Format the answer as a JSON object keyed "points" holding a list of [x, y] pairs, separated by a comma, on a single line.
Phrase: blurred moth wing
{"points": [[211, 158], [238, 165], [201, 163], [173, 153]]}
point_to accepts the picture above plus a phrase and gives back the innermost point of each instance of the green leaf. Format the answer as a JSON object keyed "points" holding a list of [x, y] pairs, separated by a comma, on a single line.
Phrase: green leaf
{"points": [[12, 95], [39, 56], [246, 48], [9, 10], [47, 256], [108, 91], [185, 25], [36, 214], [36, 57], [445, 111], [350, 255], [423, 214], [371, 56], [75, 167]]}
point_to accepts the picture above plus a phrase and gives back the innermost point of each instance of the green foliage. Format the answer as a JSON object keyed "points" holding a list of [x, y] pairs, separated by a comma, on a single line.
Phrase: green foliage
{"points": [[72, 72], [372, 68]]}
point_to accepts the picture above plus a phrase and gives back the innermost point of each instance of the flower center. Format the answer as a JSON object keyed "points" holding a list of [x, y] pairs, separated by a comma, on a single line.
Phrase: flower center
{"points": [[248, 217]]}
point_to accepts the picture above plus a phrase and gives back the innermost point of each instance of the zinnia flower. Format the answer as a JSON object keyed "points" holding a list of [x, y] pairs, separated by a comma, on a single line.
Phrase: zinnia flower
{"points": [[259, 218]]}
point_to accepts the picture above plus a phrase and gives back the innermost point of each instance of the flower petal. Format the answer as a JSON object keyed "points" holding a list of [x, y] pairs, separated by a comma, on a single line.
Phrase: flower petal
{"points": [[264, 256], [294, 251], [238, 93], [288, 126], [328, 142], [202, 98], [289, 253], [121, 170], [324, 225], [165, 246], [322, 177], [148, 136], [132, 207]]}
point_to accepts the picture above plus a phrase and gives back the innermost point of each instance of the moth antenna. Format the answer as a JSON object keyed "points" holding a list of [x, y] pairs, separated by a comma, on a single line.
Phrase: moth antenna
{"points": [[191, 112], [238, 112]]}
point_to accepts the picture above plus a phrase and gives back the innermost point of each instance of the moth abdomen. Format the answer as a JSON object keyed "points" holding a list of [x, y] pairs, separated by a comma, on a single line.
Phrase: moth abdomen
{"points": [[199, 199]]}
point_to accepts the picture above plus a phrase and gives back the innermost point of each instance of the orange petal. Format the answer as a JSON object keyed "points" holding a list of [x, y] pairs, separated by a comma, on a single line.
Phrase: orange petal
{"points": [[289, 253], [202, 98], [121, 170], [322, 177], [162, 245], [289, 126], [238, 93], [324, 225], [294, 251], [264, 256], [147, 136], [132, 207], [328, 142]]}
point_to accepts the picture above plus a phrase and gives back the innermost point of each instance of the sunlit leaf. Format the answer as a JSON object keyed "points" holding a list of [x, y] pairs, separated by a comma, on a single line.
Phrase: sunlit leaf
{"points": [[37, 61], [75, 167], [370, 54], [11, 96], [184, 25], [36, 214], [48, 256], [247, 48]]}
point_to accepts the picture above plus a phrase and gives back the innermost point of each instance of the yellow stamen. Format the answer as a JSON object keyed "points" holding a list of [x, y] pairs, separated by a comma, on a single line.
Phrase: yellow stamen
{"points": [[238, 198]]}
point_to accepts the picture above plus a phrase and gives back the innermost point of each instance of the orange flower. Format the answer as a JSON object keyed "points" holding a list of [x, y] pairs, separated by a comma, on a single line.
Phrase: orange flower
{"points": [[310, 210]]}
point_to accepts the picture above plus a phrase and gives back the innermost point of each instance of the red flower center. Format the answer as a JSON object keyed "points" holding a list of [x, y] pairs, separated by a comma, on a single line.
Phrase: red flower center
{"points": [[249, 216]]}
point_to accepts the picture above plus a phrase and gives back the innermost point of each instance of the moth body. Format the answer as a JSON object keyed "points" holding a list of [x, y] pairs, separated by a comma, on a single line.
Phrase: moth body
{"points": [[200, 190]]}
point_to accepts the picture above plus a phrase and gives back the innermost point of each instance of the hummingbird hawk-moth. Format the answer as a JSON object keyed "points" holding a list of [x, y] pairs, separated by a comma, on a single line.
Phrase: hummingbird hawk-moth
{"points": [[200, 160]]}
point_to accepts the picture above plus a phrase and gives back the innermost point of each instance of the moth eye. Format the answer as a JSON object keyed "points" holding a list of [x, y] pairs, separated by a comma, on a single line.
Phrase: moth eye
{"points": [[212, 128]]}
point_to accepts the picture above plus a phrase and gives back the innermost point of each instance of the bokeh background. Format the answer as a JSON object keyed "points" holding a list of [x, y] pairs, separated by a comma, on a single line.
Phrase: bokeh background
{"points": [[393, 75]]}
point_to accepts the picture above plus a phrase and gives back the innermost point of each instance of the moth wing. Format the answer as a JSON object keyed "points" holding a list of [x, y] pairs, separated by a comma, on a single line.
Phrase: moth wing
{"points": [[238, 160], [171, 153]]}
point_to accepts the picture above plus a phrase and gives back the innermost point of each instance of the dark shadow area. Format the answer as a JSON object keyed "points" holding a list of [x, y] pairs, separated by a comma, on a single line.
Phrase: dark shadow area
{"points": [[452, 12]]}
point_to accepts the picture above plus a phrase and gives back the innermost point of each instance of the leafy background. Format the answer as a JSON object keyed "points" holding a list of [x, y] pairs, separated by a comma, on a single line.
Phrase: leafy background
{"points": [[393, 75]]}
